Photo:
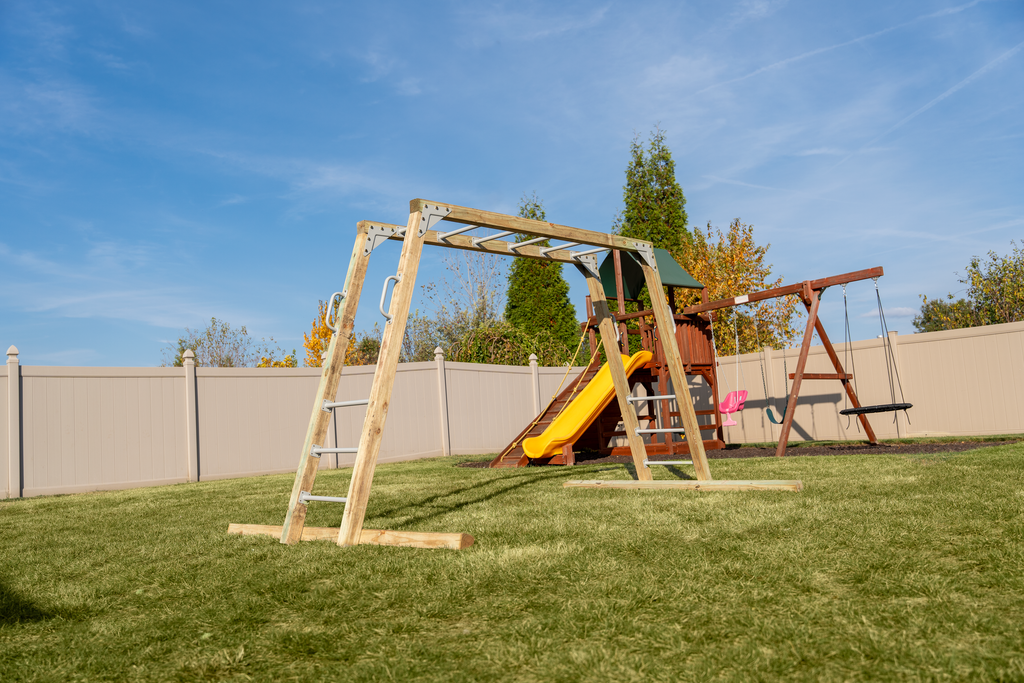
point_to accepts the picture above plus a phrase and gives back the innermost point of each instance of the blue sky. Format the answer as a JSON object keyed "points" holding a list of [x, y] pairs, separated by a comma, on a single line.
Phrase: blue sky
{"points": [[162, 163]]}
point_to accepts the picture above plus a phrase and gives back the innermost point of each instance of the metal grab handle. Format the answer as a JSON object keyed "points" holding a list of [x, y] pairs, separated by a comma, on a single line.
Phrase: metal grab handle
{"points": [[384, 294], [330, 309]]}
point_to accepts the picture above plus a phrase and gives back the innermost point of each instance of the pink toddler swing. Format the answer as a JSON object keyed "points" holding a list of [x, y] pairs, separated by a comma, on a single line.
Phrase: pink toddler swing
{"points": [[734, 400]]}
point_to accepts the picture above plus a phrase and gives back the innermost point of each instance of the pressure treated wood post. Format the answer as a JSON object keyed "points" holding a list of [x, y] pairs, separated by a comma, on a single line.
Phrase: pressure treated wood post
{"points": [[666, 331], [383, 383], [13, 423], [813, 300], [319, 421], [606, 326], [442, 389], [191, 415]]}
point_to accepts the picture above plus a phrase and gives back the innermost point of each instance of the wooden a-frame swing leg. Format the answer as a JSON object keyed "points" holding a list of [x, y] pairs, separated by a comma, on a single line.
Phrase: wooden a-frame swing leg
{"points": [[606, 327], [383, 383], [319, 421], [812, 301], [834, 357], [666, 327]]}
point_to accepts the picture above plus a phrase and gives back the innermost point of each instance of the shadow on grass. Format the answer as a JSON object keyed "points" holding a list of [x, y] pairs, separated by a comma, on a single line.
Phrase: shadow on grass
{"points": [[527, 478], [438, 510], [15, 609]]}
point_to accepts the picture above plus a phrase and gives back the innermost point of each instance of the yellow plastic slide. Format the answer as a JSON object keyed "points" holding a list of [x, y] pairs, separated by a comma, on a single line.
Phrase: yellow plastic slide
{"points": [[578, 415]]}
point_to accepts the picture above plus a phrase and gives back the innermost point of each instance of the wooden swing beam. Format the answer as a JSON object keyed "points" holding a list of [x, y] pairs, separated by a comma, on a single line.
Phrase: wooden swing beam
{"points": [[809, 292], [424, 216]]}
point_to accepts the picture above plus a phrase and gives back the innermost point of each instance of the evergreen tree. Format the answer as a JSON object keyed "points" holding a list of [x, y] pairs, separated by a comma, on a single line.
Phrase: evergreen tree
{"points": [[655, 208], [538, 296]]}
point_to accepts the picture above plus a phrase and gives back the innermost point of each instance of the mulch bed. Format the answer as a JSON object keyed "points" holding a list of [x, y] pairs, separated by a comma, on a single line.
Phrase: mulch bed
{"points": [[796, 450]]}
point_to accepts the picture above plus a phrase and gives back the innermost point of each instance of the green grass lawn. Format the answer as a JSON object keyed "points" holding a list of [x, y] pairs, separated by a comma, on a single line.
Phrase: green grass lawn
{"points": [[884, 568]]}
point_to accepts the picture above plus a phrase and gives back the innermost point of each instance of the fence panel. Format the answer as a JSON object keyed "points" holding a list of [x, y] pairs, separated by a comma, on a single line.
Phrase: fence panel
{"points": [[86, 429]]}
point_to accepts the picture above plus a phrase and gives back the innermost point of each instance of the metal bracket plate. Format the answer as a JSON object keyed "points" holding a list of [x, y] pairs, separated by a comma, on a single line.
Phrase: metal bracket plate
{"points": [[587, 263], [645, 250], [376, 236], [429, 217]]}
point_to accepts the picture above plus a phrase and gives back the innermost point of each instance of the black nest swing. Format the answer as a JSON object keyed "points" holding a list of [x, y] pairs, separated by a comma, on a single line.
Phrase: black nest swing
{"points": [[890, 366]]}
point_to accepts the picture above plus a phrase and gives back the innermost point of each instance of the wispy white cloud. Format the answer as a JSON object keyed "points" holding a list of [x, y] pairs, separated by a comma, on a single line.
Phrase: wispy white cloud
{"points": [[821, 50], [48, 104], [895, 312], [753, 10], [965, 82], [521, 25]]}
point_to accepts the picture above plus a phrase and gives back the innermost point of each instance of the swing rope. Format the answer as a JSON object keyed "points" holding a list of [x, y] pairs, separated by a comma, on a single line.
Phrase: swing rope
{"points": [[891, 369], [889, 355], [764, 381]]}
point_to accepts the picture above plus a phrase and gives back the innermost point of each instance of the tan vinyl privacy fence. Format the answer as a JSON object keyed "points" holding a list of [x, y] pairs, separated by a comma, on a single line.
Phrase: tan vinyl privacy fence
{"points": [[69, 430]]}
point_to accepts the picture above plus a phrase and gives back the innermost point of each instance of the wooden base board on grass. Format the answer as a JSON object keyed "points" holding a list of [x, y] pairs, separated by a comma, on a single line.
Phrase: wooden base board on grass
{"points": [[687, 484], [407, 539]]}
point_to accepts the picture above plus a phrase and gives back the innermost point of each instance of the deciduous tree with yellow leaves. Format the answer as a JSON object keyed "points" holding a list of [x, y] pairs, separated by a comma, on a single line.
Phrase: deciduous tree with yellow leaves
{"points": [[363, 348], [730, 264]]}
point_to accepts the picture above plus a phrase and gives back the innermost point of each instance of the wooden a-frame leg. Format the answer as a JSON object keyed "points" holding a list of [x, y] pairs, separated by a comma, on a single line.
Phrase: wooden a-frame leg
{"points": [[319, 421], [383, 383], [812, 300], [611, 349], [847, 385], [666, 327]]}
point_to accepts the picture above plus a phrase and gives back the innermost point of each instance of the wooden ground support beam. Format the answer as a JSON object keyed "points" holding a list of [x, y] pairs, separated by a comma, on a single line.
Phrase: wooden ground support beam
{"points": [[688, 484], [407, 539], [383, 383], [606, 325], [666, 327], [319, 421]]}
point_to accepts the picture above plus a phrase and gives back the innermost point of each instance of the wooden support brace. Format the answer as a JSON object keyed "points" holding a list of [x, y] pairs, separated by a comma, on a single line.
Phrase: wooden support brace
{"points": [[850, 393], [687, 484], [824, 375], [319, 421], [383, 383], [666, 330], [407, 539], [812, 300], [606, 326]]}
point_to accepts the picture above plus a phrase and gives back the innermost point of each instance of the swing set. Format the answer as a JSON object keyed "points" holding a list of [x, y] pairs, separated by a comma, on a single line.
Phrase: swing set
{"points": [[810, 292]]}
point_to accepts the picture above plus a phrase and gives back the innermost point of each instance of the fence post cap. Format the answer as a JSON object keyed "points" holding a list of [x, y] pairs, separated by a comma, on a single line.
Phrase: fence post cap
{"points": [[438, 351], [12, 352], [187, 357], [533, 356]]}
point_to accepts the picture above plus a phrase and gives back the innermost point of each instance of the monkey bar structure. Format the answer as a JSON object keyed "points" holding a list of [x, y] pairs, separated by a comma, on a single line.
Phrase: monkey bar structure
{"points": [[447, 225]]}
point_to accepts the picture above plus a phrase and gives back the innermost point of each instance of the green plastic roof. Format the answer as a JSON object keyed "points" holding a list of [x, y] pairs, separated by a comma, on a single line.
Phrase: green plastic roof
{"points": [[672, 274]]}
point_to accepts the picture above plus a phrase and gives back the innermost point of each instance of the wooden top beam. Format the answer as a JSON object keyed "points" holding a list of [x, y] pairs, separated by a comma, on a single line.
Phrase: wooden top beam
{"points": [[500, 221], [787, 289], [499, 247]]}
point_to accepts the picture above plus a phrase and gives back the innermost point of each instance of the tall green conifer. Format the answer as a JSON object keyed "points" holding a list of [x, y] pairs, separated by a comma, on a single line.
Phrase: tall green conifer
{"points": [[538, 296], [655, 207]]}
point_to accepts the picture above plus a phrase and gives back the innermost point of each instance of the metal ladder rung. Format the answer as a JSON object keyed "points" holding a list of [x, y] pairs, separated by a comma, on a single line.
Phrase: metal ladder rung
{"points": [[667, 462], [651, 398], [315, 451], [305, 497], [668, 430], [329, 405]]}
